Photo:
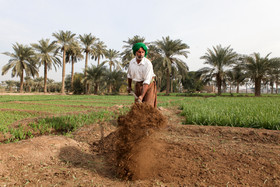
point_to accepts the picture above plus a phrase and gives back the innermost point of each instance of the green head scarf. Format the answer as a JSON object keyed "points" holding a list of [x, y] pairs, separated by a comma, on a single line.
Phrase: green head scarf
{"points": [[137, 46]]}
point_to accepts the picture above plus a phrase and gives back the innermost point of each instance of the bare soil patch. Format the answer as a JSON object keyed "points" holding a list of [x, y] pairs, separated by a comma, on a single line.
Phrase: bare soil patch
{"points": [[167, 155]]}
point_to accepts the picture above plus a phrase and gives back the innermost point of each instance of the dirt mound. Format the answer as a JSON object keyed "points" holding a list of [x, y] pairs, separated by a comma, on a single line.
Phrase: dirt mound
{"points": [[132, 141]]}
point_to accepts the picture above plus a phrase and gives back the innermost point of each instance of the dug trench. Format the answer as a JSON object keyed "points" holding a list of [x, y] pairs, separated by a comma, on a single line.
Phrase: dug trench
{"points": [[145, 147]]}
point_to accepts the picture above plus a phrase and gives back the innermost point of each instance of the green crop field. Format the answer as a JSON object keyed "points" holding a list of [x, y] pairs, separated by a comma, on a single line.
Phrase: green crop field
{"points": [[254, 112], [28, 115]]}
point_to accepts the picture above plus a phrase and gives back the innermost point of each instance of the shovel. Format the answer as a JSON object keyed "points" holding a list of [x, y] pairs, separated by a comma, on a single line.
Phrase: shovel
{"points": [[135, 96]]}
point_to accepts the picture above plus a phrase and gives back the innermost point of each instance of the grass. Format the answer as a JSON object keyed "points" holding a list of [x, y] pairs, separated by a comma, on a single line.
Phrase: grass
{"points": [[253, 112], [87, 110], [256, 112]]}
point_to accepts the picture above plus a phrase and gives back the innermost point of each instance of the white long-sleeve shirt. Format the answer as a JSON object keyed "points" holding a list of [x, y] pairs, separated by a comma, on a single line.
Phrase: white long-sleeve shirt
{"points": [[140, 72]]}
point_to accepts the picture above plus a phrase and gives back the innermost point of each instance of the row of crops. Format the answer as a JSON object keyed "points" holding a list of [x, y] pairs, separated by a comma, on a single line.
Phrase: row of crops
{"points": [[24, 116], [253, 112]]}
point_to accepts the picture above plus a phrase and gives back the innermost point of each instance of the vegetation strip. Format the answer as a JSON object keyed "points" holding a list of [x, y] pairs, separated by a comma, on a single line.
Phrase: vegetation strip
{"points": [[18, 121], [235, 112]]}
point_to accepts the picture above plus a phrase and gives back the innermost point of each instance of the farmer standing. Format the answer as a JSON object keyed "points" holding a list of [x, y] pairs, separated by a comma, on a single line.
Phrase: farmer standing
{"points": [[141, 71]]}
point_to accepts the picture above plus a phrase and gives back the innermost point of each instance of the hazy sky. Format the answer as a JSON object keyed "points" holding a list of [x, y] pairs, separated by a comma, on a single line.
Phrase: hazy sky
{"points": [[247, 25]]}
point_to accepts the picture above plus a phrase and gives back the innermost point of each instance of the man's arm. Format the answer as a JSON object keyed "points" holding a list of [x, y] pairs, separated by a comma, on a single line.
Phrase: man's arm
{"points": [[144, 91]]}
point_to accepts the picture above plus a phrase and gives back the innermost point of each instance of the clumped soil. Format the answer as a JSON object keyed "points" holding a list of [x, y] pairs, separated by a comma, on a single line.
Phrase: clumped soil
{"points": [[134, 130], [155, 150]]}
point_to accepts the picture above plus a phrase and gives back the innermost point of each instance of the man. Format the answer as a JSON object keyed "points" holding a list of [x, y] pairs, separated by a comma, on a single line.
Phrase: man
{"points": [[141, 71]]}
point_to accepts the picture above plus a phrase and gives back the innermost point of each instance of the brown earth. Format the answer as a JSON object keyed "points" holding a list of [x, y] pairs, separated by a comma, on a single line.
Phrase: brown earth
{"points": [[145, 151]]}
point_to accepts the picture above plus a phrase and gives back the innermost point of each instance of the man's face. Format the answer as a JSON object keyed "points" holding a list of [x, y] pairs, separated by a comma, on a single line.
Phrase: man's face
{"points": [[140, 54]]}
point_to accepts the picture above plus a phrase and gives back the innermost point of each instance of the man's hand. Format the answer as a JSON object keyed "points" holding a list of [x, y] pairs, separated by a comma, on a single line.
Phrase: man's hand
{"points": [[128, 89], [140, 98]]}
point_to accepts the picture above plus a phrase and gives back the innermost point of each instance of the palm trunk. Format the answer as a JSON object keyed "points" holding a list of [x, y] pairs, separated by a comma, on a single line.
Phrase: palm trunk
{"points": [[63, 73], [276, 85], [158, 83], [237, 88], [219, 84], [271, 85], [258, 86], [95, 88], [21, 83], [72, 75], [171, 85], [167, 81], [88, 88], [45, 76], [98, 60], [86, 64]]}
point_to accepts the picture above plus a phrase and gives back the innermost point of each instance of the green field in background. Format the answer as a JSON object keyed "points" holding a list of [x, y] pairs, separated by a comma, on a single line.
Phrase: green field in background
{"points": [[69, 112]]}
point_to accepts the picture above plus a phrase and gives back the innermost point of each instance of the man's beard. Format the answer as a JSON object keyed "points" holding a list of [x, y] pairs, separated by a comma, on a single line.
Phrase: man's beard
{"points": [[139, 57]]}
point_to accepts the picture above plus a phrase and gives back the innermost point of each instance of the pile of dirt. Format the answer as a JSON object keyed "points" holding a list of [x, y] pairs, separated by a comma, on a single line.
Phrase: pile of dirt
{"points": [[134, 155]]}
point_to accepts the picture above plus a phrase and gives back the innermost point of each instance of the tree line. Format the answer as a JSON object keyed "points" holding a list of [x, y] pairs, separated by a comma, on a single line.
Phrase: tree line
{"points": [[225, 68]]}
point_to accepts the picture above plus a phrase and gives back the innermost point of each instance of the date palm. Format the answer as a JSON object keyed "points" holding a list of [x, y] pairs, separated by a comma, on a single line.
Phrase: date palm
{"points": [[95, 74], [276, 71], [99, 51], [114, 80], [64, 38], [87, 41], [257, 67], [28, 83], [171, 51], [236, 76], [22, 61], [218, 58], [73, 54], [112, 56], [47, 56], [10, 84]]}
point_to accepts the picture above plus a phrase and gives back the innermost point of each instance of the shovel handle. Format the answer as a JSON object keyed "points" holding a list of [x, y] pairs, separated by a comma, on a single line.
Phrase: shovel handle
{"points": [[135, 96]]}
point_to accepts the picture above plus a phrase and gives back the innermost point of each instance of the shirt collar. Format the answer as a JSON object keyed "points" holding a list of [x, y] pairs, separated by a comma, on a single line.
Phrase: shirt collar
{"points": [[141, 63]]}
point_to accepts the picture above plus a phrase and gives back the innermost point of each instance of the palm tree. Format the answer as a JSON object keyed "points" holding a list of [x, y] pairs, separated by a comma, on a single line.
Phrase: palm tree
{"points": [[236, 76], [10, 84], [64, 39], [99, 51], [112, 56], [218, 58], [170, 51], [114, 80], [73, 54], [87, 40], [192, 82], [22, 61], [28, 83], [257, 67], [127, 54], [276, 71], [95, 74], [38, 83], [154, 52], [47, 56]]}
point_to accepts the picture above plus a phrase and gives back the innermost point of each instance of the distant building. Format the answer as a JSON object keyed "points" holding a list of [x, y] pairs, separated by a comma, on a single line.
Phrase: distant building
{"points": [[209, 89]]}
